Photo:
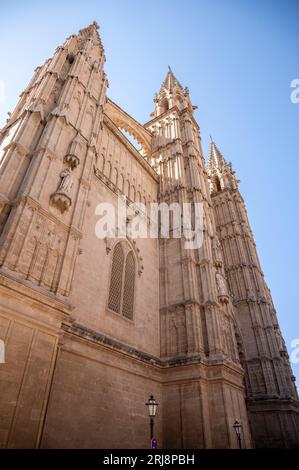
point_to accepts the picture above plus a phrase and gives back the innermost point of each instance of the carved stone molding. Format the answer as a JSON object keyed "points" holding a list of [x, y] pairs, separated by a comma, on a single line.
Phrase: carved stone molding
{"points": [[60, 198], [217, 253], [36, 106], [59, 114], [19, 147], [72, 160], [223, 294], [61, 201], [224, 299]]}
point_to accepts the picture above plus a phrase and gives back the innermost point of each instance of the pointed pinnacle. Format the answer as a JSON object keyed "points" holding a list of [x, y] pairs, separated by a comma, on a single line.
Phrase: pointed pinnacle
{"points": [[170, 80]]}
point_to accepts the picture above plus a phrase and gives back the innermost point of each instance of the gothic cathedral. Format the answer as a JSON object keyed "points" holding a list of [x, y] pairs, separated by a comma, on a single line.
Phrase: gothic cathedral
{"points": [[91, 326]]}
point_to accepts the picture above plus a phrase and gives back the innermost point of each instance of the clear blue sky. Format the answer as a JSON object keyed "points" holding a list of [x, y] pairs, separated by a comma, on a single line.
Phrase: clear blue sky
{"points": [[238, 59]]}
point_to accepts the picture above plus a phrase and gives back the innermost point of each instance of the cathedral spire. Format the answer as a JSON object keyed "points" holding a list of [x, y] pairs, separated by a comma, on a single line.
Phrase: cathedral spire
{"points": [[91, 33], [220, 172], [216, 159], [170, 82], [171, 94]]}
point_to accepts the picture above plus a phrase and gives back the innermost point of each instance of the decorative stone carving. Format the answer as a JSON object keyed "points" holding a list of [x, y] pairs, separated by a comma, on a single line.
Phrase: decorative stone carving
{"points": [[72, 160], [73, 156], [60, 198], [37, 106], [217, 253], [61, 201], [59, 113], [66, 182], [222, 288]]}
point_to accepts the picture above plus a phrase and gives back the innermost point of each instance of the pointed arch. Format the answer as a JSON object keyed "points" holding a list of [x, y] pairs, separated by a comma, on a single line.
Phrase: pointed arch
{"points": [[114, 176], [122, 280], [126, 122], [102, 161], [121, 182], [127, 189], [108, 169], [132, 193]]}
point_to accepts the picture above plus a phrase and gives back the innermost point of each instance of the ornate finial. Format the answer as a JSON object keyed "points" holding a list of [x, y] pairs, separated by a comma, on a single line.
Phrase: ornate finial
{"points": [[89, 29], [211, 139]]}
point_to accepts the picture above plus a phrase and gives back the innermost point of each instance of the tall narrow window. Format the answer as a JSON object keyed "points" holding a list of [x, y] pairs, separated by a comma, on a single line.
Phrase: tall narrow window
{"points": [[129, 284], [115, 292], [122, 282]]}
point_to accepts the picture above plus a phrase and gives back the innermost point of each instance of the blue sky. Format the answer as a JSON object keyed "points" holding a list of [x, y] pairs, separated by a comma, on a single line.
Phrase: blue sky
{"points": [[238, 59]]}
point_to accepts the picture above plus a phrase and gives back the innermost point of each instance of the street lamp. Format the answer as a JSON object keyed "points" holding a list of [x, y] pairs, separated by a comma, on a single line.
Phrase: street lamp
{"points": [[237, 427], [152, 406]]}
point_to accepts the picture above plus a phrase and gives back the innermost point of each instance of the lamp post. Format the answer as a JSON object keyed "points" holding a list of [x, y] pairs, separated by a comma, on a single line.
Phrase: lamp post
{"points": [[237, 427], [152, 406]]}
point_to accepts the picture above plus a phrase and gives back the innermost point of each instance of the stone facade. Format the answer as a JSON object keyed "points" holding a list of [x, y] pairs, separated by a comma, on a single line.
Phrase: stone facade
{"points": [[92, 327]]}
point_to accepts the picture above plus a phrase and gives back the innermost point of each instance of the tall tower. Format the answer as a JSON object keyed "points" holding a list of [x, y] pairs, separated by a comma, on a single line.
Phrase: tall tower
{"points": [[204, 377], [46, 165], [47, 151], [271, 394]]}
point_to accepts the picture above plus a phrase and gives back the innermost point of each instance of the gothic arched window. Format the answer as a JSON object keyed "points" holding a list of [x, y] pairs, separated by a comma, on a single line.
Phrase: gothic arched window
{"points": [[122, 282]]}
